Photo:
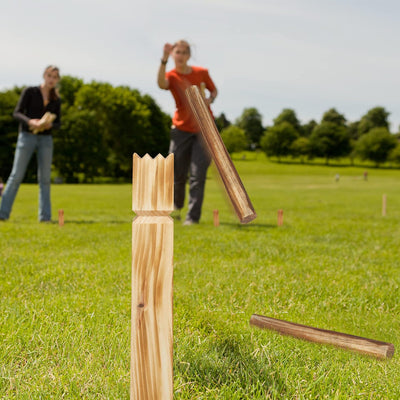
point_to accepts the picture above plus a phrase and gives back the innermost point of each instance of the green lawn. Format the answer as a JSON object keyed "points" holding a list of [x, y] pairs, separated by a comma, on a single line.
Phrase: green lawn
{"points": [[334, 264]]}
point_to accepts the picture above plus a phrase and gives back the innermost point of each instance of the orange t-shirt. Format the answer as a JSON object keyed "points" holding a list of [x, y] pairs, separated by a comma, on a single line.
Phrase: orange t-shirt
{"points": [[183, 118]]}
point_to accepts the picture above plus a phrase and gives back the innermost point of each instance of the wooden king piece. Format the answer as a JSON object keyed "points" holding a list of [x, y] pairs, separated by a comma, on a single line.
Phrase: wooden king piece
{"points": [[233, 185], [152, 271]]}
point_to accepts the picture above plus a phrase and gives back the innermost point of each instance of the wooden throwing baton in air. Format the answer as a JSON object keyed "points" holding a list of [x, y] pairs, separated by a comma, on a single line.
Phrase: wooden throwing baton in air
{"points": [[233, 185], [359, 344]]}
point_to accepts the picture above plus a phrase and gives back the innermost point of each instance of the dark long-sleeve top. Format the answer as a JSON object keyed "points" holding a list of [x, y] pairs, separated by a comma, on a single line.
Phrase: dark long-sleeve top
{"points": [[31, 105]]}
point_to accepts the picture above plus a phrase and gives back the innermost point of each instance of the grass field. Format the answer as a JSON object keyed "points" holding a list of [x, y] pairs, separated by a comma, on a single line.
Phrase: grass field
{"points": [[334, 264]]}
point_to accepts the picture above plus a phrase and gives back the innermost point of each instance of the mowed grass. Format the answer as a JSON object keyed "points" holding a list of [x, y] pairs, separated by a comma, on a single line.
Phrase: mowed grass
{"points": [[334, 264]]}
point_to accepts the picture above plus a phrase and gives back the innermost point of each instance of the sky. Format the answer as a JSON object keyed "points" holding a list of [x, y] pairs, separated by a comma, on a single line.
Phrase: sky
{"points": [[307, 55]]}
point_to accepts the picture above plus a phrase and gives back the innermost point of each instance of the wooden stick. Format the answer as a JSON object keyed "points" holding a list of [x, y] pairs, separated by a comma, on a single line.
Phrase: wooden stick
{"points": [[61, 217], [216, 218], [362, 345], [152, 272], [384, 205], [233, 185]]}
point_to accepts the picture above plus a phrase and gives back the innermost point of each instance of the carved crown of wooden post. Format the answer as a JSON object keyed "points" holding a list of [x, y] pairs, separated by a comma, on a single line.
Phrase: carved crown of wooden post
{"points": [[153, 185], [152, 272]]}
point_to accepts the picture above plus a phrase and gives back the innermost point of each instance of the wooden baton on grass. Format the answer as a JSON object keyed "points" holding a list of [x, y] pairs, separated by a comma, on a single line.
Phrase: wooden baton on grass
{"points": [[359, 344], [233, 185]]}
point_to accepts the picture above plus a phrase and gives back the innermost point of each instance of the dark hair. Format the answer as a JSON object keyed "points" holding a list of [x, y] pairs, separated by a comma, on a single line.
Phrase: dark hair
{"points": [[53, 92]]}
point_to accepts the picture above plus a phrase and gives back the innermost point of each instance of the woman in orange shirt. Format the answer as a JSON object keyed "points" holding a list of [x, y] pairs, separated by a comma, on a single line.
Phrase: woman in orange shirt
{"points": [[191, 158]]}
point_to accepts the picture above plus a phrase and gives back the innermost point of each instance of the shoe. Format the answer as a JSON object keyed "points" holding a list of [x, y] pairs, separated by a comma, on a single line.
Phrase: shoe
{"points": [[190, 222]]}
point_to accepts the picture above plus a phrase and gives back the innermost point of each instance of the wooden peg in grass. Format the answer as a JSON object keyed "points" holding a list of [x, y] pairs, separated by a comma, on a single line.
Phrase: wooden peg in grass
{"points": [[216, 147], [384, 205], [370, 347], [280, 217], [61, 217], [216, 218]]}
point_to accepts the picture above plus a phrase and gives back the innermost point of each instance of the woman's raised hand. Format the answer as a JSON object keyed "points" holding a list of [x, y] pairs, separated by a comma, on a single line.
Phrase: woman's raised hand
{"points": [[167, 50]]}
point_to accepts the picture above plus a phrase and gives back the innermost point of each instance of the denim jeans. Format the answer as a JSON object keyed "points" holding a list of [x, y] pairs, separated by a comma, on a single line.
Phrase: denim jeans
{"points": [[190, 158], [26, 145]]}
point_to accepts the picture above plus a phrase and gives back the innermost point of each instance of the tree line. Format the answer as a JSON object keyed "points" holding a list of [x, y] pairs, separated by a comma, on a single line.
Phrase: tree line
{"points": [[102, 126], [332, 138]]}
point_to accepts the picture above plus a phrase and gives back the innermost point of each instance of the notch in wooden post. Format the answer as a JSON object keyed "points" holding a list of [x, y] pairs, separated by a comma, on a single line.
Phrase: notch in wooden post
{"points": [[152, 272], [212, 139]]}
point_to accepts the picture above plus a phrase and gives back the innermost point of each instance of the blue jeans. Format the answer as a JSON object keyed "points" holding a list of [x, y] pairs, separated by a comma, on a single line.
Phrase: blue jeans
{"points": [[26, 145]]}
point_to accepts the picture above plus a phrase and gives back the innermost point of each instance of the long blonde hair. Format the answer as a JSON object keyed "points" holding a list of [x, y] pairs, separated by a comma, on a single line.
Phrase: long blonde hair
{"points": [[53, 95]]}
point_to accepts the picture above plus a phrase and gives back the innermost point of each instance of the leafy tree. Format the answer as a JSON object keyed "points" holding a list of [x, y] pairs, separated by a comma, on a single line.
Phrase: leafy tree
{"points": [[330, 140], [251, 122], [80, 151], [69, 87], [222, 122], [288, 115], [234, 139], [157, 138], [8, 130], [375, 118], [395, 154], [353, 130], [376, 145], [278, 139], [129, 123], [307, 128], [102, 126], [301, 148], [333, 116]]}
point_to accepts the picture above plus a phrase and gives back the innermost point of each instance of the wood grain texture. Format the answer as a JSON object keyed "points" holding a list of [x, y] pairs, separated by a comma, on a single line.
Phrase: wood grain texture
{"points": [[152, 275], [370, 347], [232, 182]]}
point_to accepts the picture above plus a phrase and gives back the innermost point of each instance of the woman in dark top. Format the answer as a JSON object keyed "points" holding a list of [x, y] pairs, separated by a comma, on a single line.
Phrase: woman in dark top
{"points": [[35, 134]]}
